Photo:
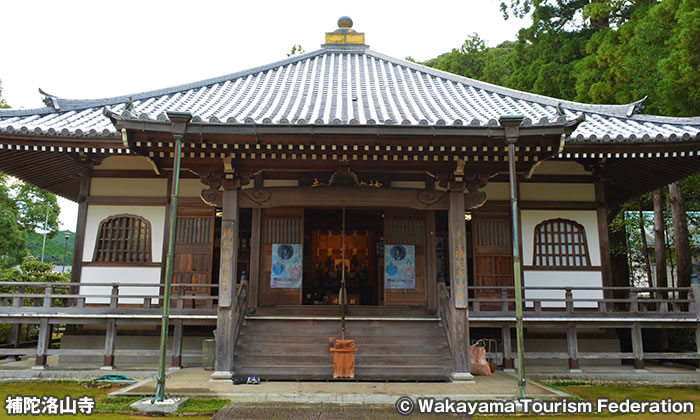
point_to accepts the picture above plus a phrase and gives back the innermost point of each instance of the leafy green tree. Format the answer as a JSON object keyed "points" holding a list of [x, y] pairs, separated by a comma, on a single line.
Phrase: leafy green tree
{"points": [[32, 204], [473, 59], [679, 86], [13, 240], [23, 209]]}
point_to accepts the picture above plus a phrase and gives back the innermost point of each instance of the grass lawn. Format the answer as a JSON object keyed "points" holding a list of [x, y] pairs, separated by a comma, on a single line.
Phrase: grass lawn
{"points": [[106, 407], [591, 392]]}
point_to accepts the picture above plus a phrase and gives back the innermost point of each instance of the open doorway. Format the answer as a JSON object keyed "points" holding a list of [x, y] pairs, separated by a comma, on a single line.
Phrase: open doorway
{"points": [[324, 262]]}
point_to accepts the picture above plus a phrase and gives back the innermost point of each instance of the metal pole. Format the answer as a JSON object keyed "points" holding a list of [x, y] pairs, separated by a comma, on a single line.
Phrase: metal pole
{"points": [[343, 292], [46, 226], [521, 393], [160, 387]]}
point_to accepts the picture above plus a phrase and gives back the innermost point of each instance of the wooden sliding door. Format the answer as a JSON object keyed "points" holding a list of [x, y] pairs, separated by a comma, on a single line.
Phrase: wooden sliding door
{"points": [[194, 241], [493, 261]]}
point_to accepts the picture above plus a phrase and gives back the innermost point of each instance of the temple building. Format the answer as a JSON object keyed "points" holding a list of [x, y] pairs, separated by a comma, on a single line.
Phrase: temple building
{"points": [[418, 188]]}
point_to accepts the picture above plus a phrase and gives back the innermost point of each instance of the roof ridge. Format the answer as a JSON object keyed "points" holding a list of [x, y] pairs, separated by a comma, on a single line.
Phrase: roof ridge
{"points": [[19, 112]]}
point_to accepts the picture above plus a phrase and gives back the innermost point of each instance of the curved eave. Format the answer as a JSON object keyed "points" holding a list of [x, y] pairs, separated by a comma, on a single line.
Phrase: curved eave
{"points": [[203, 128]]}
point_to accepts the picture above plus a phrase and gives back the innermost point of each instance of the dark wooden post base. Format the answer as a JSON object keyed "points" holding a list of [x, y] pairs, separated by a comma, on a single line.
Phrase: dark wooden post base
{"points": [[40, 361], [637, 347], [108, 362]]}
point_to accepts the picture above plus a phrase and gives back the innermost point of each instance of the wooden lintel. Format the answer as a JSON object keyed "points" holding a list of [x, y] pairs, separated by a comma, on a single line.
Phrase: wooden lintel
{"points": [[127, 201], [343, 197]]}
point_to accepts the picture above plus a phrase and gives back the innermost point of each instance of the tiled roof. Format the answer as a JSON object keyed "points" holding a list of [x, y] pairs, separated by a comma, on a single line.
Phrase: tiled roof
{"points": [[341, 85]]}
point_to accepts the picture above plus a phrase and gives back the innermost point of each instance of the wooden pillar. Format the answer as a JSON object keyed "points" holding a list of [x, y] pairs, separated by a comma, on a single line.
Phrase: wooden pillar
{"points": [[638, 347], [227, 286], [507, 351], [572, 344], [604, 240], [79, 240], [255, 249], [110, 338], [17, 328], [697, 344], [458, 286], [111, 331], [44, 339], [431, 261], [176, 360]]}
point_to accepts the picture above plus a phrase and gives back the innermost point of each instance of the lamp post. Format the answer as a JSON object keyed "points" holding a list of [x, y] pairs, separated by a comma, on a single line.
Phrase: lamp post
{"points": [[179, 122], [65, 250], [511, 124]]}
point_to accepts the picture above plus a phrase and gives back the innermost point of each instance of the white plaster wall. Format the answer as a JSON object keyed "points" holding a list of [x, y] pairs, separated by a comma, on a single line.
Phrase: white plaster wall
{"points": [[134, 187], [560, 168], [154, 214], [561, 279], [535, 191], [532, 278], [126, 162], [497, 191], [123, 276], [587, 218]]}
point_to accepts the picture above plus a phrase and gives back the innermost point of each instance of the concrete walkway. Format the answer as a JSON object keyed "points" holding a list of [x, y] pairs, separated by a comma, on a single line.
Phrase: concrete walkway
{"points": [[197, 382]]}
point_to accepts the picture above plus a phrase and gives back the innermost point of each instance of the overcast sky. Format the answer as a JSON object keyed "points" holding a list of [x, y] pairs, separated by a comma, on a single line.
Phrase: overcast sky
{"points": [[94, 49]]}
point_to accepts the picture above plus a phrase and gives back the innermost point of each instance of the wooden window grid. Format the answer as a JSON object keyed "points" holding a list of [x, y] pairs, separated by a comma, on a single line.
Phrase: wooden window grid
{"points": [[123, 238], [560, 243]]}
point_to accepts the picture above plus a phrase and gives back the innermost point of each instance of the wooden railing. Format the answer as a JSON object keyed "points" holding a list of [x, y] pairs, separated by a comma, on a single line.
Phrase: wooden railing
{"points": [[568, 308], [51, 304], [668, 302]]}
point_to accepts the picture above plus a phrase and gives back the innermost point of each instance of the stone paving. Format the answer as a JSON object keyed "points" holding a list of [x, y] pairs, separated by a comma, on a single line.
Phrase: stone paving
{"points": [[238, 410], [197, 382]]}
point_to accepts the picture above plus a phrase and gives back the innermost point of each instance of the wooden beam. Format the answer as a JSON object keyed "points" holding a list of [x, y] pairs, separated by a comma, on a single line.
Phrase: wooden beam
{"points": [[344, 197], [227, 286], [557, 205], [127, 201]]}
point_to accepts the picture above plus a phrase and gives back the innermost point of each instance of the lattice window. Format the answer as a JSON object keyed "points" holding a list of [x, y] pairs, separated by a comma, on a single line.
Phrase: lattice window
{"points": [[561, 243], [123, 238]]}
